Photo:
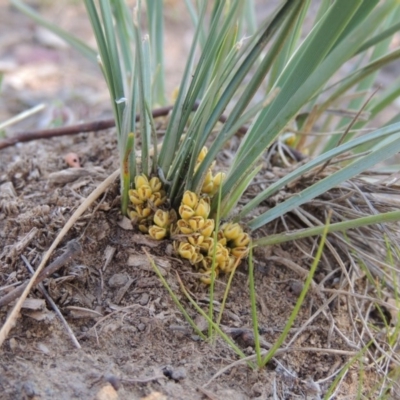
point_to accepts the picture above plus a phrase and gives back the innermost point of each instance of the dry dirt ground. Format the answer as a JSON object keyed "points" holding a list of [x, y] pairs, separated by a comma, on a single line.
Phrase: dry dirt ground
{"points": [[133, 338]]}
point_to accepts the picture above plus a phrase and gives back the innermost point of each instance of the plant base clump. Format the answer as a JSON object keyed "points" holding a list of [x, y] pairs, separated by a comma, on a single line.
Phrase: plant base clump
{"points": [[194, 232], [201, 246]]}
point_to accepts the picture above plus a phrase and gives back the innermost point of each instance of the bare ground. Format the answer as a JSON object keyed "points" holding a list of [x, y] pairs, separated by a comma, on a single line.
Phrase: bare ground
{"points": [[132, 336]]}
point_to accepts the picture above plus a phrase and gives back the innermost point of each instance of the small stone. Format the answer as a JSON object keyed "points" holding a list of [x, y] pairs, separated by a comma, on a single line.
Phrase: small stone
{"points": [[107, 392], [43, 348], [13, 344], [177, 374], [118, 280], [141, 327], [144, 299]]}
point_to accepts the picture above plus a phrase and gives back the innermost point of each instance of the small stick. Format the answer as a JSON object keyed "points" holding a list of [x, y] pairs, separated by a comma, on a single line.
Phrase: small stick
{"points": [[27, 136], [53, 305], [73, 249]]}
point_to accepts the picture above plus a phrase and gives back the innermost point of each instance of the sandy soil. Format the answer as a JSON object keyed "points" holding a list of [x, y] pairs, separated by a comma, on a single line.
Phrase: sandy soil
{"points": [[134, 341]]}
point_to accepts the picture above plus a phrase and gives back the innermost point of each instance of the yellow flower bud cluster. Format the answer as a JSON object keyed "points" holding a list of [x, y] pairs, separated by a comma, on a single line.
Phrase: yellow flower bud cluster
{"points": [[198, 233], [146, 198], [211, 182]]}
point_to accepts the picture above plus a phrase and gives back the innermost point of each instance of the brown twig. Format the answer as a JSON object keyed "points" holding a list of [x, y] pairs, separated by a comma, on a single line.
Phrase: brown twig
{"points": [[93, 126], [73, 249]]}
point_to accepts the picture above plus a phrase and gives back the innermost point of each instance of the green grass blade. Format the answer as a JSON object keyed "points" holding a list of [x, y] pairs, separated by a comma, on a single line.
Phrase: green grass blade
{"points": [[392, 216], [126, 172], [351, 170], [253, 302], [174, 298], [300, 300], [156, 29], [173, 134], [298, 172], [290, 11], [297, 85]]}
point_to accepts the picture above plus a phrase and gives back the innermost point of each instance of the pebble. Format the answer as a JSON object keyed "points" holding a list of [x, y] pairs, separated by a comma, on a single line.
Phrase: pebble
{"points": [[13, 344], [118, 280], [107, 392], [141, 327], [177, 374], [144, 299]]}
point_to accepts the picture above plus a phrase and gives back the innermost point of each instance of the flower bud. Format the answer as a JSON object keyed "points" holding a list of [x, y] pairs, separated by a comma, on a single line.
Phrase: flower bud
{"points": [[189, 199], [157, 199], [184, 227], [155, 184], [206, 244], [240, 252], [143, 228], [143, 212], [186, 212], [229, 265], [218, 178], [208, 178], [186, 250], [157, 233], [207, 188], [144, 192], [134, 197], [232, 231], [221, 253], [196, 258], [203, 208], [133, 215], [242, 240], [207, 228], [141, 180], [161, 218], [206, 263], [202, 154], [196, 223], [195, 239], [206, 276]]}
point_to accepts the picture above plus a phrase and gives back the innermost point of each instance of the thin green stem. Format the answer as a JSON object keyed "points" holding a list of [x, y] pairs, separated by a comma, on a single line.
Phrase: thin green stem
{"points": [[391, 216]]}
